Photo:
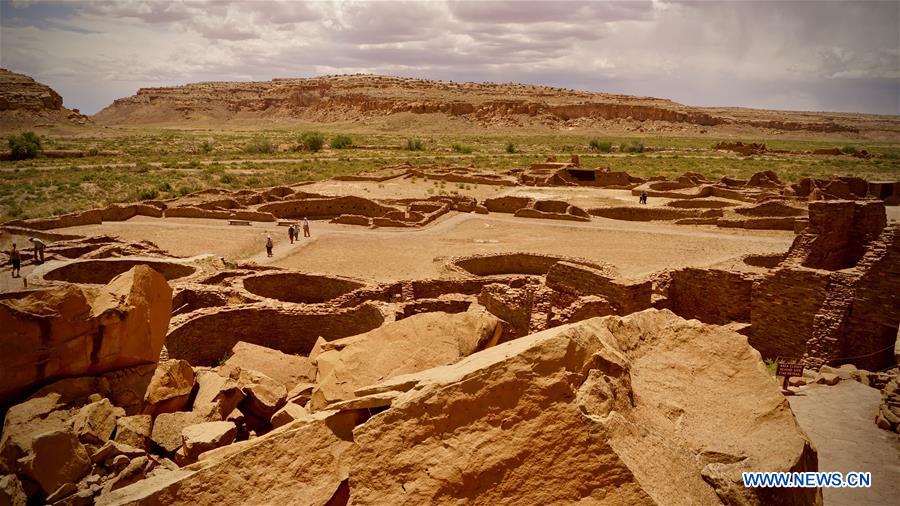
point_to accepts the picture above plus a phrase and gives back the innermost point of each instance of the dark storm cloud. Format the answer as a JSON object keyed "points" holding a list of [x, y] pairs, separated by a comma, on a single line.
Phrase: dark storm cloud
{"points": [[821, 55]]}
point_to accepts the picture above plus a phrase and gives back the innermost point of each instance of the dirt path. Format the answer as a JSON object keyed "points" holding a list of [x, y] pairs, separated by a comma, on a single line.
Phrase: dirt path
{"points": [[840, 422]]}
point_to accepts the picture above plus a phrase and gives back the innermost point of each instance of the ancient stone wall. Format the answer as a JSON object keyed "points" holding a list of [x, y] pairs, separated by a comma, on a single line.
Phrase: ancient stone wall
{"points": [[326, 207], [102, 271], [300, 287], [837, 234], [92, 217], [782, 310], [710, 295], [206, 337], [624, 296], [514, 263], [631, 213], [874, 312], [508, 204], [119, 212]]}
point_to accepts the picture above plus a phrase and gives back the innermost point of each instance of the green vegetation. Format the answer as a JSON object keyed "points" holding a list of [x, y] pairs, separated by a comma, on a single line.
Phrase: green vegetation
{"points": [[129, 164], [849, 150], [633, 147], [312, 141], [259, 146], [341, 141], [24, 146], [413, 145], [462, 148], [601, 146]]}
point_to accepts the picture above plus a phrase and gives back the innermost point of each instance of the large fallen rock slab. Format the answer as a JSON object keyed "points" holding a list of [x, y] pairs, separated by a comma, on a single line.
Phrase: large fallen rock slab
{"points": [[167, 429], [217, 396], [413, 344], [202, 437], [75, 331], [96, 422], [56, 458], [300, 463], [134, 431], [645, 409], [170, 389], [287, 369]]}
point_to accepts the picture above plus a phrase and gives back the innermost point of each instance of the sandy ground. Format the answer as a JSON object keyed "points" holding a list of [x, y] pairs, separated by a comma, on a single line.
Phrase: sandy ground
{"points": [[840, 421], [402, 188], [635, 248], [385, 254]]}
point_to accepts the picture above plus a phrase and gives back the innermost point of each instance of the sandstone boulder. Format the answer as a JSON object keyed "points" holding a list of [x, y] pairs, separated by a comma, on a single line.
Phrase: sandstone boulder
{"points": [[413, 344], [635, 410], [170, 389], [96, 422], [76, 331], [300, 463], [288, 414], [263, 395], [25, 421], [56, 458], [167, 429], [217, 396], [289, 370], [11, 491], [206, 436], [134, 431]]}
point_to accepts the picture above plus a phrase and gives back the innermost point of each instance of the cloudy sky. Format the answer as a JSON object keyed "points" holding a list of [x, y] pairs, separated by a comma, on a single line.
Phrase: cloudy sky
{"points": [[803, 55]]}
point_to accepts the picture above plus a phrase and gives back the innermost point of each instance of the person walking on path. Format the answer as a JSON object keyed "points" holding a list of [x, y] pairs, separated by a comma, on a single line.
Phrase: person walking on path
{"points": [[269, 245], [291, 233], [39, 246], [15, 259], [305, 227], [643, 198]]}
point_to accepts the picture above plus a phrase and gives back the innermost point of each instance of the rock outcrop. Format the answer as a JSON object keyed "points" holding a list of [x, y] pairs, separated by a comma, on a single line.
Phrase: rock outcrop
{"points": [[643, 409], [354, 97], [413, 344], [76, 331], [25, 102]]}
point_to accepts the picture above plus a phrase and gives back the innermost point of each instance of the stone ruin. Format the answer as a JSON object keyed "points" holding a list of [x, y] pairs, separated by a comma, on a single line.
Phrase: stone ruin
{"points": [[328, 389], [762, 202]]}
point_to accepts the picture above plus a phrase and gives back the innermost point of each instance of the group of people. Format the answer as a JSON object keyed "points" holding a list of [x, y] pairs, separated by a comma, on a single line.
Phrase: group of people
{"points": [[294, 231], [15, 255], [643, 198], [293, 234]]}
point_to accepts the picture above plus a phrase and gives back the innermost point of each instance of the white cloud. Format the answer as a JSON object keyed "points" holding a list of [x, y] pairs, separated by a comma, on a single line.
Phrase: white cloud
{"points": [[815, 55]]}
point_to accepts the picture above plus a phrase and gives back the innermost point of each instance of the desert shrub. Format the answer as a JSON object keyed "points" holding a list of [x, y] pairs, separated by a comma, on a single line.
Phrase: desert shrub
{"points": [[259, 145], [848, 150], [461, 148], [413, 145], [227, 179], [510, 148], [148, 194], [205, 147], [24, 146], [312, 141], [634, 147], [601, 146], [341, 142]]}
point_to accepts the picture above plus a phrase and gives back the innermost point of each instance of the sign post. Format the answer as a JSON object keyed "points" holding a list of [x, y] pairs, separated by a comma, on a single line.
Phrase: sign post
{"points": [[788, 370]]}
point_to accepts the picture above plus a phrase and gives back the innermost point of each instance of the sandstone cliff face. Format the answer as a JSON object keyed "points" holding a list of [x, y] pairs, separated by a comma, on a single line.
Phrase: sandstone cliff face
{"points": [[24, 102], [354, 97], [74, 331], [644, 409]]}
